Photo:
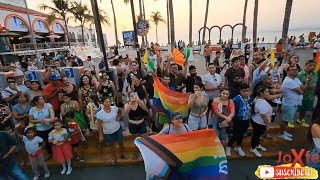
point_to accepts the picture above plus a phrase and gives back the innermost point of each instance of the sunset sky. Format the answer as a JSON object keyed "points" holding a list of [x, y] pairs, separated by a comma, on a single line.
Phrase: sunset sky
{"points": [[271, 12]]}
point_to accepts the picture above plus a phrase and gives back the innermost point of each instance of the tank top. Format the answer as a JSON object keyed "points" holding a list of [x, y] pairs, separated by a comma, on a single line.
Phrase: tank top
{"points": [[136, 115], [316, 142], [106, 91], [140, 91]]}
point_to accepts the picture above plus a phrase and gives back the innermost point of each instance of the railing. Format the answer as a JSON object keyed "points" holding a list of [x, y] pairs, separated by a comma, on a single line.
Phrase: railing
{"points": [[49, 45]]}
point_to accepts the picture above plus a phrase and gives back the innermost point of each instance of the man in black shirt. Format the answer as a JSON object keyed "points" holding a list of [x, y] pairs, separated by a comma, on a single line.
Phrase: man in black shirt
{"points": [[216, 62], [227, 52], [190, 81], [177, 78], [8, 164], [234, 77]]}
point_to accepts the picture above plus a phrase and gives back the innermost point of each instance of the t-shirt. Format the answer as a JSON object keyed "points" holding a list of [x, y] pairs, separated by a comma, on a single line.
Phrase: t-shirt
{"points": [[170, 130], [190, 81], [212, 81], [232, 74], [176, 80], [217, 64], [227, 53], [242, 108], [256, 77], [32, 146], [21, 111], [89, 65], [199, 106], [40, 115], [261, 106], [109, 123], [61, 135], [275, 75], [6, 142], [291, 98], [49, 90], [317, 47], [309, 94], [73, 127]]}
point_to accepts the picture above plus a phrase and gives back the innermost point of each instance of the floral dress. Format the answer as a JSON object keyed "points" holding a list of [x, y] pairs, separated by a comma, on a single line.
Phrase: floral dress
{"points": [[85, 92]]}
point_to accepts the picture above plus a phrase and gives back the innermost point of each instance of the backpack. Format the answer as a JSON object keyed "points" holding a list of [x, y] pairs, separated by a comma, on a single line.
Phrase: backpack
{"points": [[183, 125]]}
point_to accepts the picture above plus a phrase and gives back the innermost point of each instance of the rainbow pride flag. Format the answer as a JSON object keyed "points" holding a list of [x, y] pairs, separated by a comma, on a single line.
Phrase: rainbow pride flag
{"points": [[317, 59], [196, 155], [169, 101]]}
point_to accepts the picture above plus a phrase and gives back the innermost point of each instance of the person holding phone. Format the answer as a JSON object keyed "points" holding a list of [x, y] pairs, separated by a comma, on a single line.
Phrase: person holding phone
{"points": [[11, 93]]}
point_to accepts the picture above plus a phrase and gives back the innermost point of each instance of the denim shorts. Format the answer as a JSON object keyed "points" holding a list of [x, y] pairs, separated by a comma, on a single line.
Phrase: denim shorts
{"points": [[197, 122], [111, 138], [137, 128], [289, 112]]}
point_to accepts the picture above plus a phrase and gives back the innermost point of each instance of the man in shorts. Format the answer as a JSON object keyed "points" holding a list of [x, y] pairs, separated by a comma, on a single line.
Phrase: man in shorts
{"points": [[207, 54], [309, 93], [293, 91]]}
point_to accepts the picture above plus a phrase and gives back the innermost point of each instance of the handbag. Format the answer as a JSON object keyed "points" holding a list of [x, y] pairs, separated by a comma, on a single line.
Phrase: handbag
{"points": [[225, 111]]}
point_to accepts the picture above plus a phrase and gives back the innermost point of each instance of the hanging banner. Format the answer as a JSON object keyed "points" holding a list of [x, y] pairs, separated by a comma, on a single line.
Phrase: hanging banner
{"points": [[128, 38], [84, 52], [142, 27]]}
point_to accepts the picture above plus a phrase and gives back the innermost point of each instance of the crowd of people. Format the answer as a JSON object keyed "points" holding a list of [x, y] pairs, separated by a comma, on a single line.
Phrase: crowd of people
{"points": [[240, 88]]}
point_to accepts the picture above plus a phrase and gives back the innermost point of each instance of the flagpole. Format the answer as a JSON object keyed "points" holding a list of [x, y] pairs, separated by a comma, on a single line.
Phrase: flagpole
{"points": [[38, 63]]}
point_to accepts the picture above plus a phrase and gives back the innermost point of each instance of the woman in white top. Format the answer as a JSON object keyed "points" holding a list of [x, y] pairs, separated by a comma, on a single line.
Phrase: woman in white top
{"points": [[260, 119], [314, 137], [109, 128]]}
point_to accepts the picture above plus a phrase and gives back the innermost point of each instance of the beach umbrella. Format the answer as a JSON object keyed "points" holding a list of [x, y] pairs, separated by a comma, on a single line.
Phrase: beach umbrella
{"points": [[53, 36], [6, 34], [29, 36]]}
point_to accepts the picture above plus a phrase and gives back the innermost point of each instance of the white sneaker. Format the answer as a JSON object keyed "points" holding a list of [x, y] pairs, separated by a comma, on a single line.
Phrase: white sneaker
{"points": [[63, 170], [69, 171], [261, 147], [256, 152], [36, 177], [228, 151], [287, 134], [47, 175], [240, 151], [284, 137]]}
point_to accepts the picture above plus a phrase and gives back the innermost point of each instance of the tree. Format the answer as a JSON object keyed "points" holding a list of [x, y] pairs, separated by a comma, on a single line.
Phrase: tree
{"points": [[104, 19], [156, 18], [205, 22], [60, 9], [50, 19], [255, 20], [115, 23], [80, 13], [172, 33], [244, 28], [286, 20], [190, 23], [168, 24]]}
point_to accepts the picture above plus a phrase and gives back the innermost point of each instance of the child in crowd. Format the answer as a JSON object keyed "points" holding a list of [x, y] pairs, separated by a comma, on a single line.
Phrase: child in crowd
{"points": [[93, 107], [241, 119], [75, 133], [61, 148], [33, 145]]}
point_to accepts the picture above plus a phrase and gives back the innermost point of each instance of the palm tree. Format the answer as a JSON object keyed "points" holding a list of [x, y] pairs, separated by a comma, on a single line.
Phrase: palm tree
{"points": [[286, 20], [60, 9], [255, 20], [50, 19], [244, 28], [205, 22], [115, 23], [157, 18], [168, 24], [172, 33], [190, 23], [104, 19], [80, 13]]}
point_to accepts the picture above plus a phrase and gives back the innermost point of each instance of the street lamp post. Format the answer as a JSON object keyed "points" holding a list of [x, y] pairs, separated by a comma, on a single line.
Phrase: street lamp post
{"points": [[38, 63]]}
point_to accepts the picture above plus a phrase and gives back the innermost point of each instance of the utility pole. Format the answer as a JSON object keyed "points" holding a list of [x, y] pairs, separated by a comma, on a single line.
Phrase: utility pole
{"points": [[34, 42], [97, 22]]}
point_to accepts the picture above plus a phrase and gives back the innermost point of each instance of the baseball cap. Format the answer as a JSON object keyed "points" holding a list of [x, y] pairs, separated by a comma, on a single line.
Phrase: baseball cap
{"points": [[18, 73], [310, 61], [176, 115], [55, 77]]}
